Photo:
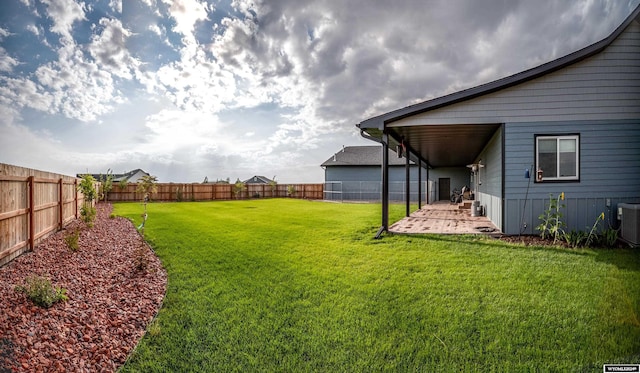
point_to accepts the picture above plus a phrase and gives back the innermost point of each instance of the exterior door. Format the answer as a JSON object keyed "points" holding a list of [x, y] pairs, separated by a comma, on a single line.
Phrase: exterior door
{"points": [[444, 188]]}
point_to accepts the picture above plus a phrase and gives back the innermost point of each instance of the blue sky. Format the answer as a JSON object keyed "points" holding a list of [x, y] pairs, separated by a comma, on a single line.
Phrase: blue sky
{"points": [[229, 89]]}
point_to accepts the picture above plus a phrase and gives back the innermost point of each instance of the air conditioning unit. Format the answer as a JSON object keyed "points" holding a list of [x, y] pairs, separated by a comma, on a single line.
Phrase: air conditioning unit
{"points": [[629, 215]]}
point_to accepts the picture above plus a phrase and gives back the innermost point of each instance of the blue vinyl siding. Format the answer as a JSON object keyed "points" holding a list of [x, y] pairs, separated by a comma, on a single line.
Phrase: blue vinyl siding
{"points": [[609, 170], [489, 193]]}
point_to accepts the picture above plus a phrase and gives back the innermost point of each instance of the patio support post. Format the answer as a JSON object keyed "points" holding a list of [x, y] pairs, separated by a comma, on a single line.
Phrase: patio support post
{"points": [[407, 185], [385, 185], [427, 183], [419, 183]]}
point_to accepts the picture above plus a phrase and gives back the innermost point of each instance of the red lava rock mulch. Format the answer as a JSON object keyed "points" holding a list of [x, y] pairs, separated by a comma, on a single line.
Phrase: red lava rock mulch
{"points": [[109, 307]]}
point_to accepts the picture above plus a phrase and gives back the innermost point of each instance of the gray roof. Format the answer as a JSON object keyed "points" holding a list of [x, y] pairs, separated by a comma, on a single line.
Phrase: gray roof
{"points": [[257, 179], [362, 156], [116, 177]]}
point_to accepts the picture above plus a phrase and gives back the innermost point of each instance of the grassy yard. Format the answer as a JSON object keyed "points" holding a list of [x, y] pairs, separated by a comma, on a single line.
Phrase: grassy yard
{"points": [[291, 285]]}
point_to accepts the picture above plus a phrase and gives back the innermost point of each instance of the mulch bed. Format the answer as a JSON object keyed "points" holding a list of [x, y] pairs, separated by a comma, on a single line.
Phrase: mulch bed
{"points": [[111, 301]]}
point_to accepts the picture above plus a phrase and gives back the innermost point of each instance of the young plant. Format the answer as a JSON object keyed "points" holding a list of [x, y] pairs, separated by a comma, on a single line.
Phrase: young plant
{"points": [[551, 224], [238, 188], [71, 240], [88, 190], [592, 237], [140, 260], [273, 184], [609, 237], [291, 190], [106, 184], [40, 291], [147, 186], [575, 238]]}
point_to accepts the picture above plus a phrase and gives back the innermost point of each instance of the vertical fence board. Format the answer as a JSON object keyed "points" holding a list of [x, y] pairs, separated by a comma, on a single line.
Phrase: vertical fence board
{"points": [[33, 204], [167, 192]]}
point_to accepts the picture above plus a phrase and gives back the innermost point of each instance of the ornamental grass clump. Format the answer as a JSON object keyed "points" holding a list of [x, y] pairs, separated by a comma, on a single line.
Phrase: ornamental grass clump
{"points": [[71, 240], [40, 291], [551, 224], [606, 238]]}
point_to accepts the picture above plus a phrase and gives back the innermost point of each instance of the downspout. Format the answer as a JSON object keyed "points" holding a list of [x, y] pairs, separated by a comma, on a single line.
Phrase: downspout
{"points": [[385, 179]]}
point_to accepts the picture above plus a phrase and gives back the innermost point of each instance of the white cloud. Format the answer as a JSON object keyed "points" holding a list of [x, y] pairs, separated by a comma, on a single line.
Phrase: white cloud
{"points": [[7, 63], [116, 5], [80, 88], [187, 13], [64, 13], [109, 49]]}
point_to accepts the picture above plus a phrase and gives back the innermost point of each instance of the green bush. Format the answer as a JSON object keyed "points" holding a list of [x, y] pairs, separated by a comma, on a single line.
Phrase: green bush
{"points": [[71, 240], [88, 214], [609, 237], [551, 224], [575, 238], [140, 260], [40, 291]]}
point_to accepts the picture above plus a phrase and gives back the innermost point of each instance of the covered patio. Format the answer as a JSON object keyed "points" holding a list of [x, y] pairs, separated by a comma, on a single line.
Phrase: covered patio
{"points": [[445, 218]]}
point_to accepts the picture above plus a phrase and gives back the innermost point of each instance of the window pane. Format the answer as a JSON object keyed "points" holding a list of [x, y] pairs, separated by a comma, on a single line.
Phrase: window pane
{"points": [[547, 158], [568, 145], [568, 157]]}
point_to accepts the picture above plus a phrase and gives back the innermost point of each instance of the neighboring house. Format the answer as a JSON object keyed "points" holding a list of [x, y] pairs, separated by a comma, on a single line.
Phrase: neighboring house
{"points": [[131, 176], [575, 119], [258, 180]]}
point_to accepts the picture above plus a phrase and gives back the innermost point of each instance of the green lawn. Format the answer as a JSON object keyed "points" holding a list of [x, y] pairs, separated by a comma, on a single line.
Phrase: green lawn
{"points": [[291, 285]]}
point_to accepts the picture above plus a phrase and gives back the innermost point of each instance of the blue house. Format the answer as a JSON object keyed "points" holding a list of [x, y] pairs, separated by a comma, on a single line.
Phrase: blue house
{"points": [[572, 125]]}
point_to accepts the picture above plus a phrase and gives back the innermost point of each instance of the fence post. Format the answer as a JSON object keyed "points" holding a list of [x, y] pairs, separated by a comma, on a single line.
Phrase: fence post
{"points": [[75, 197], [31, 212], [61, 201]]}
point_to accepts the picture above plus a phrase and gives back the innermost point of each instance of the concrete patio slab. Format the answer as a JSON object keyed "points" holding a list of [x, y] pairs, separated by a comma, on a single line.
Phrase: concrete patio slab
{"points": [[444, 218]]}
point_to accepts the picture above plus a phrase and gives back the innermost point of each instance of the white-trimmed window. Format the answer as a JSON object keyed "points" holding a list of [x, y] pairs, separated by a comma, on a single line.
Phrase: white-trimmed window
{"points": [[558, 157]]}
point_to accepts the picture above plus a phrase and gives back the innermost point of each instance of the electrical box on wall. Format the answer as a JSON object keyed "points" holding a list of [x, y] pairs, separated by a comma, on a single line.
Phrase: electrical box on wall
{"points": [[629, 215]]}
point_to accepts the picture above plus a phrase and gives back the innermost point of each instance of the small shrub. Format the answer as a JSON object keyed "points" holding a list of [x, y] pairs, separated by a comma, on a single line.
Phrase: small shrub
{"points": [[71, 240], [238, 188], [112, 216], [575, 238], [154, 328], [88, 214], [551, 223], [592, 237], [40, 291], [88, 190], [609, 237], [140, 260], [291, 190]]}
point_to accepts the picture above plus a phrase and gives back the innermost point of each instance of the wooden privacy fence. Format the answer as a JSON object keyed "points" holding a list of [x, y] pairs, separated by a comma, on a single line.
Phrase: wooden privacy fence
{"points": [[209, 192], [33, 204]]}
